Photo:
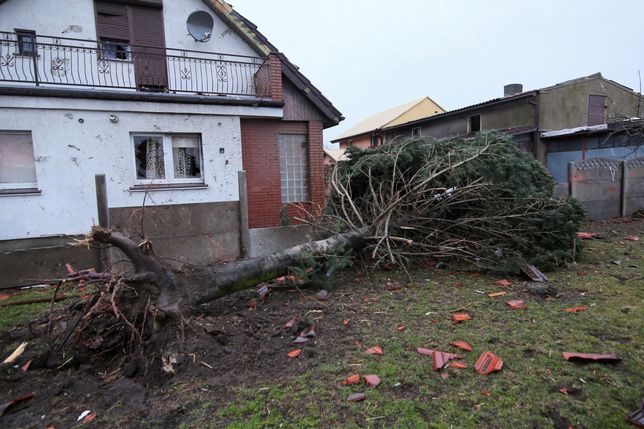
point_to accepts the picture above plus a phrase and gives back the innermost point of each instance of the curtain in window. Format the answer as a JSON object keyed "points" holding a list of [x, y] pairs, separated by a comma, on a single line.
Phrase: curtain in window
{"points": [[154, 159]]}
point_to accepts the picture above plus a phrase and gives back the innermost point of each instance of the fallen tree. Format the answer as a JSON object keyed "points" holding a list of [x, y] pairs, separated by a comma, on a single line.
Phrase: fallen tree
{"points": [[479, 200]]}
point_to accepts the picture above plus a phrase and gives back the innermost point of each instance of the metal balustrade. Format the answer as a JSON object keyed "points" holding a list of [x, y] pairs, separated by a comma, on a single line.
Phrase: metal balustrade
{"points": [[59, 61]]}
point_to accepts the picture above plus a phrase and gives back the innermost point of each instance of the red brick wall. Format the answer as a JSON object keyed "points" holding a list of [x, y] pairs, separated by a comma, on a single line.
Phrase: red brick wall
{"points": [[260, 152]]}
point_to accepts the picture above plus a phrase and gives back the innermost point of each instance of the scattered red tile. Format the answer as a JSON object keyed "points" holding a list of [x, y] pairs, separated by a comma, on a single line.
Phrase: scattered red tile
{"points": [[88, 418], [459, 284], [375, 350], [591, 357], [6, 405], [586, 235], [25, 367], [401, 327], [485, 392], [356, 397], [503, 282], [516, 304], [487, 363], [576, 309], [426, 352], [475, 274], [291, 322], [441, 358], [564, 390], [636, 418], [459, 365], [462, 345], [352, 379], [294, 353], [252, 304], [581, 273], [346, 322], [4, 296], [444, 375], [632, 238], [460, 317], [533, 273], [496, 294], [394, 286], [372, 380]]}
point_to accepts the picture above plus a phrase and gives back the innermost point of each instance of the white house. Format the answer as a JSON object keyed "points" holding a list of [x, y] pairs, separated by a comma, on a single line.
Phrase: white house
{"points": [[169, 100]]}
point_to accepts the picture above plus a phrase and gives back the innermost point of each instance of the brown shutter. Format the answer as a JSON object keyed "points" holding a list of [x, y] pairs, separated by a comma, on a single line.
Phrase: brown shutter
{"points": [[147, 26], [149, 55], [111, 21]]}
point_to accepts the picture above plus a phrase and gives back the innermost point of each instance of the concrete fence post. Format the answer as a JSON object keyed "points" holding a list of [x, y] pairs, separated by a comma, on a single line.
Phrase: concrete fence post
{"points": [[103, 214], [624, 190], [244, 233], [571, 179]]}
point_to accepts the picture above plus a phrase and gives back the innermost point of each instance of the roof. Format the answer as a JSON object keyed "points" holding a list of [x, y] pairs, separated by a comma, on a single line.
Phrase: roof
{"points": [[588, 129], [256, 40], [387, 117], [336, 154], [513, 98]]}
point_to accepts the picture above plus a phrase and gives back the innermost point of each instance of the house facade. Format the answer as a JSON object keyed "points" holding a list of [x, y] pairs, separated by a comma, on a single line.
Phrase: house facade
{"points": [[128, 90], [371, 130], [586, 101]]}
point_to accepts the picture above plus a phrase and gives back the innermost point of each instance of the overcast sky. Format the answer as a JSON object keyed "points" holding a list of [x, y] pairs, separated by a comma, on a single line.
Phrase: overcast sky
{"points": [[369, 55]]}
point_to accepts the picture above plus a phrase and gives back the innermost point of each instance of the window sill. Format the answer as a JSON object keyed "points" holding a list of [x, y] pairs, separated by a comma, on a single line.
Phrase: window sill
{"points": [[168, 187], [19, 192]]}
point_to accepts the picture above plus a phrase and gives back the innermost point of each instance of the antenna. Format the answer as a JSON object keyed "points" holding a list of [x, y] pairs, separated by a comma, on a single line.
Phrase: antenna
{"points": [[200, 25]]}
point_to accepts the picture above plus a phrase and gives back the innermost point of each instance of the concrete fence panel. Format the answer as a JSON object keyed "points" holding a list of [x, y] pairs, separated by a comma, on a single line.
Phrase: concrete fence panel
{"points": [[597, 184], [634, 185]]}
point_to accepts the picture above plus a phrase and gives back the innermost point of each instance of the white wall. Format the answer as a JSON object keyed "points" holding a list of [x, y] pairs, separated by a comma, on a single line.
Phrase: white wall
{"points": [[52, 17], [49, 17], [69, 153], [223, 40]]}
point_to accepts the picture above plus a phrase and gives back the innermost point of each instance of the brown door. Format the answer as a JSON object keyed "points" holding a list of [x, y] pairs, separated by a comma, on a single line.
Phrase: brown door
{"points": [[596, 105], [148, 50]]}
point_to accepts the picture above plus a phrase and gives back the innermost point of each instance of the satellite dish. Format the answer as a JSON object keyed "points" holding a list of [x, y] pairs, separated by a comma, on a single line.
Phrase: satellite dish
{"points": [[200, 25]]}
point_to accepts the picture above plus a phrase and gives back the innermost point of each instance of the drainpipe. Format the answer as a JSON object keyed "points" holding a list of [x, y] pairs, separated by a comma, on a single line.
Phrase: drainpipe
{"points": [[537, 133]]}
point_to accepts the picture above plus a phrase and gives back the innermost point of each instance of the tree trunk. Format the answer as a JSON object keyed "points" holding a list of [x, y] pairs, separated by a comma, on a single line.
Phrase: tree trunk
{"points": [[214, 282]]}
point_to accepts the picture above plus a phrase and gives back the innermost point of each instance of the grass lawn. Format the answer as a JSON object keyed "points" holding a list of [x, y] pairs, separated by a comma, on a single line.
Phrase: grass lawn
{"points": [[526, 393], [271, 390]]}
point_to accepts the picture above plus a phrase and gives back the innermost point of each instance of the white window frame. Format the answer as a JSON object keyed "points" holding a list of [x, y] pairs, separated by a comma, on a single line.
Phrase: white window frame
{"points": [[21, 185], [168, 161]]}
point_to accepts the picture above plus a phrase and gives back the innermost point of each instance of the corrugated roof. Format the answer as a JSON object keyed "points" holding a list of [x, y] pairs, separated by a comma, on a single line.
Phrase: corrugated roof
{"points": [[381, 119]]}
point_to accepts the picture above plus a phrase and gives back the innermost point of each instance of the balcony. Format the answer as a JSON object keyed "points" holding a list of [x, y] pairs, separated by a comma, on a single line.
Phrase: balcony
{"points": [[30, 60]]}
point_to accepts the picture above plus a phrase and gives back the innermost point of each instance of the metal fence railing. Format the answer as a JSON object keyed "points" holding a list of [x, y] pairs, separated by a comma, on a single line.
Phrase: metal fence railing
{"points": [[27, 59]]}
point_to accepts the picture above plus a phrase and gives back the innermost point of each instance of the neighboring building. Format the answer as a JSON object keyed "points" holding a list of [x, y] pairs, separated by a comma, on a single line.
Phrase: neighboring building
{"points": [[586, 101], [332, 156], [121, 88], [370, 131]]}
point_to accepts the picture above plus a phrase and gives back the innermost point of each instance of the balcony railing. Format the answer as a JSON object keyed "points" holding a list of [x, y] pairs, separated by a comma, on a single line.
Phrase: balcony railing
{"points": [[54, 61]]}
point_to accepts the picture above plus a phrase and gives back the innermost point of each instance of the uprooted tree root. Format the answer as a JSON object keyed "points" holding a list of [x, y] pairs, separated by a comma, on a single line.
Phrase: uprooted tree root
{"points": [[144, 320]]}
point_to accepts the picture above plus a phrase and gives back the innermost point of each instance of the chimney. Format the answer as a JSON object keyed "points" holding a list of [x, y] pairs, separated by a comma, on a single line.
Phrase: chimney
{"points": [[512, 89]]}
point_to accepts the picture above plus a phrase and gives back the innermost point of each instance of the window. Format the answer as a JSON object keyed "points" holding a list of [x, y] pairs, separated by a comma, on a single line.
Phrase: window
{"points": [[26, 42], [164, 158], [374, 140], [415, 132], [294, 168], [474, 124], [17, 165], [114, 49]]}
